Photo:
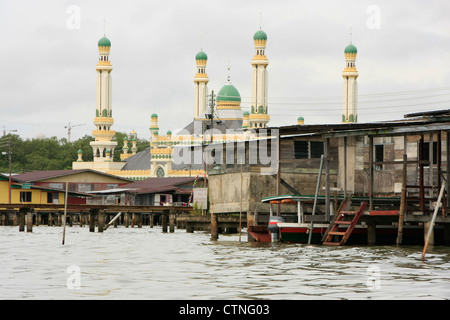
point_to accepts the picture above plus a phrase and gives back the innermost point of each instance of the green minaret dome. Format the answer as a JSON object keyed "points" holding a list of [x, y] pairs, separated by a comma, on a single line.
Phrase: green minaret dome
{"points": [[201, 56], [154, 115], [260, 35], [104, 42], [350, 49], [228, 93]]}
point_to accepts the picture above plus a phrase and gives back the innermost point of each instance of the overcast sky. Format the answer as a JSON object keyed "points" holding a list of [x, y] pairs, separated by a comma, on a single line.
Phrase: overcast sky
{"points": [[48, 54]]}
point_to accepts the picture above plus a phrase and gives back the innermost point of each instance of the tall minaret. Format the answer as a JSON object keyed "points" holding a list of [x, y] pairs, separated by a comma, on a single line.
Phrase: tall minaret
{"points": [[259, 116], [201, 89], [350, 88], [103, 115]]}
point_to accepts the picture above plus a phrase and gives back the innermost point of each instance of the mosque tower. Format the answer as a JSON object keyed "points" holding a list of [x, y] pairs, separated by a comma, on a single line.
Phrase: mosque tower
{"points": [[201, 89], [259, 116], [350, 87], [103, 146]]}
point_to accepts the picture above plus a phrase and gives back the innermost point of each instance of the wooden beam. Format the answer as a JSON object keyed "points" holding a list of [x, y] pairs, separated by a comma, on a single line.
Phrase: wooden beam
{"points": [[370, 173]]}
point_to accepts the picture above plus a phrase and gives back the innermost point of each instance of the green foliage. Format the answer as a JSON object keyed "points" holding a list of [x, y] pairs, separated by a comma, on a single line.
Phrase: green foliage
{"points": [[50, 153]]}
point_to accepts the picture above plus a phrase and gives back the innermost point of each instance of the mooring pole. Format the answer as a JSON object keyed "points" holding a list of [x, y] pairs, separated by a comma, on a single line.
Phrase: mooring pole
{"points": [[436, 209], [403, 203], [315, 199], [65, 213]]}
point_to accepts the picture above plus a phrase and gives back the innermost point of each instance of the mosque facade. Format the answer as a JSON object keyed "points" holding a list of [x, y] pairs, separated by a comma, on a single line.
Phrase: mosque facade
{"points": [[213, 118]]}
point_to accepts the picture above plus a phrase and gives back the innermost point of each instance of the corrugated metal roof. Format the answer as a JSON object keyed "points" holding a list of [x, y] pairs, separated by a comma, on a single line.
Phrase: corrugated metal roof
{"points": [[153, 185]]}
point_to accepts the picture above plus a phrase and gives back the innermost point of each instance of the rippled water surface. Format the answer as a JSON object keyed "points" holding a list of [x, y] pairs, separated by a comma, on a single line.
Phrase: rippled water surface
{"points": [[144, 263]]}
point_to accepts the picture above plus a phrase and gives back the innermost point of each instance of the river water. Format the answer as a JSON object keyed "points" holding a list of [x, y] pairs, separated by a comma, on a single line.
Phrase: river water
{"points": [[144, 263]]}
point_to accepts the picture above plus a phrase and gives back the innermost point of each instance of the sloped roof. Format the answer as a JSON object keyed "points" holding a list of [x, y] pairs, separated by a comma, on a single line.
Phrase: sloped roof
{"points": [[48, 174], [139, 161], [153, 185]]}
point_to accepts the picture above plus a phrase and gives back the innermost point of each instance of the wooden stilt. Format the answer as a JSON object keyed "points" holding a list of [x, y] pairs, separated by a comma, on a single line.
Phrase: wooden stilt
{"points": [[101, 220], [403, 203], [21, 220], [371, 233], [214, 227], [151, 219], [92, 214], [140, 218], [171, 222], [164, 220], [29, 221]]}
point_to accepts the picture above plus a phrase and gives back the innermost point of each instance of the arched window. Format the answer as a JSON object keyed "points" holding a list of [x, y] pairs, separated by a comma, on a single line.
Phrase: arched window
{"points": [[160, 172]]}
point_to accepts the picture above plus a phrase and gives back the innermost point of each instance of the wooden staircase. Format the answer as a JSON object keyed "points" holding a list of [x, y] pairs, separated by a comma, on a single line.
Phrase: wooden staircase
{"points": [[344, 219]]}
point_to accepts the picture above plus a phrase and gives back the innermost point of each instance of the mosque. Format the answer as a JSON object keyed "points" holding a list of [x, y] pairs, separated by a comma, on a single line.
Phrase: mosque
{"points": [[211, 121]]}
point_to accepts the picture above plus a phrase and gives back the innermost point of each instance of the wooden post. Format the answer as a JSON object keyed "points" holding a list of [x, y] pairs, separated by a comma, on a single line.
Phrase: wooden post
{"points": [[428, 239], [113, 221], [92, 214], [403, 201], [427, 229], [21, 220], [371, 184], [30, 221], [126, 219], [447, 154], [59, 218], [214, 227], [101, 220], [151, 219], [65, 213], [164, 220], [140, 217], [421, 176], [171, 222], [327, 178], [371, 233], [278, 172], [133, 219], [38, 218], [345, 167]]}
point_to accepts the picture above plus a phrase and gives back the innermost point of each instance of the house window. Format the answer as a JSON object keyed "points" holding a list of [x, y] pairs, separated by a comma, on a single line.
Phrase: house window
{"points": [[426, 152], [301, 150], [53, 197], [316, 148], [379, 156], [308, 149], [25, 196]]}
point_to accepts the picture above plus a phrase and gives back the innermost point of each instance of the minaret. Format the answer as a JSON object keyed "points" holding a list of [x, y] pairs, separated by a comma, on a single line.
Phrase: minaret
{"points": [[201, 90], [103, 115], [350, 88], [259, 116]]}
